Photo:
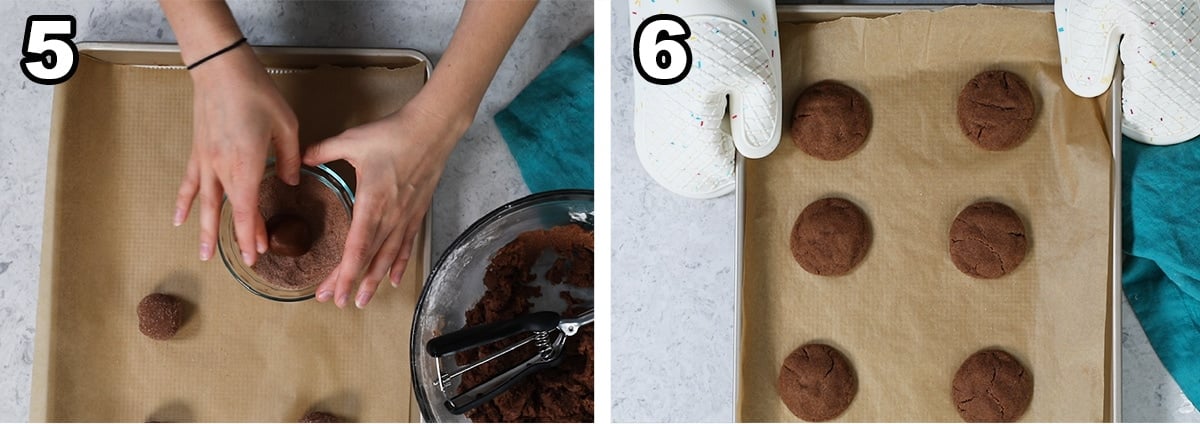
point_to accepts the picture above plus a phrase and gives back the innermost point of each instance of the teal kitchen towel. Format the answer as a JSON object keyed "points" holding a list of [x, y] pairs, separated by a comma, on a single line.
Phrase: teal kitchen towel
{"points": [[1160, 206], [548, 127]]}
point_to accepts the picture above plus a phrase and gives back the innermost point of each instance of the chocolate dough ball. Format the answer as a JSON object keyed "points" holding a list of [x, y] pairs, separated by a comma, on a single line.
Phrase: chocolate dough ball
{"points": [[831, 121], [320, 417], [289, 235], [817, 382], [995, 110], [987, 240], [159, 316], [991, 386], [830, 237]]}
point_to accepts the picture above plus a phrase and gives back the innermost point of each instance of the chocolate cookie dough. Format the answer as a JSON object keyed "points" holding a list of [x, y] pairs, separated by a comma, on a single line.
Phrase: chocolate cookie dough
{"points": [[830, 237], [559, 394], [996, 110], [159, 316], [987, 240], [288, 235], [320, 417], [324, 218], [817, 382], [831, 120], [991, 386]]}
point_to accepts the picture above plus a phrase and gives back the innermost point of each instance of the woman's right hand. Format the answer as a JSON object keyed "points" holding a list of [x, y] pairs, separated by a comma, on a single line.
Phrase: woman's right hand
{"points": [[237, 114]]}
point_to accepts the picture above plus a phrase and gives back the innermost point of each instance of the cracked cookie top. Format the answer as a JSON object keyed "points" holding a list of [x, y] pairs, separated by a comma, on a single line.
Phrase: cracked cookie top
{"points": [[996, 110], [991, 386], [987, 240], [817, 382], [830, 237], [831, 121]]}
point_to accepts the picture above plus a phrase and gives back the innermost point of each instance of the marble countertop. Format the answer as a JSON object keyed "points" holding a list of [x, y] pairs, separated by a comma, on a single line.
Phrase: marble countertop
{"points": [[480, 175], [673, 349]]}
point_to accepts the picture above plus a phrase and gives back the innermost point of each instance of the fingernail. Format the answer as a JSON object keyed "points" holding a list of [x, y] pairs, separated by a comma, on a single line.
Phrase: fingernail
{"points": [[341, 302], [204, 255], [361, 301], [247, 259], [262, 247], [324, 296], [178, 217], [294, 180], [395, 280]]}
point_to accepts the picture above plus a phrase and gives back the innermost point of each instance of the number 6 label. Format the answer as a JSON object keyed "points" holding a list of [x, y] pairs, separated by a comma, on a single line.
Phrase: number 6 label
{"points": [[660, 50], [50, 55]]}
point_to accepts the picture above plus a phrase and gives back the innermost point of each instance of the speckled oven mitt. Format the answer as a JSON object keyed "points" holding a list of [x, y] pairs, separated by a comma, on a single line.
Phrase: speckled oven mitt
{"points": [[679, 129], [1157, 42]]}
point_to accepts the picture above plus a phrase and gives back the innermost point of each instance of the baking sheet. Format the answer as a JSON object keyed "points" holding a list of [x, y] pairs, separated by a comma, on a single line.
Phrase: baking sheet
{"points": [[906, 317], [120, 140]]}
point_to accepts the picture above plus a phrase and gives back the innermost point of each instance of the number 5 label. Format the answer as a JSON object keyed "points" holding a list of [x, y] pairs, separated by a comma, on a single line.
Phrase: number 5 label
{"points": [[50, 55], [660, 50]]}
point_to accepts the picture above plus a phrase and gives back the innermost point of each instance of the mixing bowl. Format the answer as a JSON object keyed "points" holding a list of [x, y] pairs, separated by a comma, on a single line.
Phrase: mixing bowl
{"points": [[456, 282]]}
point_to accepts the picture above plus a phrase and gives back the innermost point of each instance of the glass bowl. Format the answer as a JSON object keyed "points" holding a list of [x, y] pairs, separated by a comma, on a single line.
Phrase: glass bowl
{"points": [[231, 254], [456, 283]]}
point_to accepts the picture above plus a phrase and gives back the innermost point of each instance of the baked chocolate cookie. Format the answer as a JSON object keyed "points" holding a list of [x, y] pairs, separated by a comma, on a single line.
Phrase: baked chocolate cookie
{"points": [[987, 240], [830, 237], [991, 386], [159, 316], [817, 382], [830, 121], [996, 110]]}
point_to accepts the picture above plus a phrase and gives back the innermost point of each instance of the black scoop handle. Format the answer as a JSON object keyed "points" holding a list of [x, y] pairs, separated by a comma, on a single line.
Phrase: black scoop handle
{"points": [[528, 371], [487, 333]]}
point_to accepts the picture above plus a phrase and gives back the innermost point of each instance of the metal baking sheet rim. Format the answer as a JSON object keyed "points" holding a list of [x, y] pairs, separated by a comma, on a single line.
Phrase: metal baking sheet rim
{"points": [[167, 55], [816, 13]]}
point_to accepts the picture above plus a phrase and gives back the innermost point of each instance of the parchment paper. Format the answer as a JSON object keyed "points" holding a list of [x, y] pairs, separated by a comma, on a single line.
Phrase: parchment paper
{"points": [[906, 317], [123, 139]]}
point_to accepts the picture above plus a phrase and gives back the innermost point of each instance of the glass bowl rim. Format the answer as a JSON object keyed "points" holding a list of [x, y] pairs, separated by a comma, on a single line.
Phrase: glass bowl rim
{"points": [[327, 177]]}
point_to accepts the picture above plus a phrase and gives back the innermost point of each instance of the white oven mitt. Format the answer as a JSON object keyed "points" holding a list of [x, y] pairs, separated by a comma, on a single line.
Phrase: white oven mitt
{"points": [[1161, 92], [679, 129]]}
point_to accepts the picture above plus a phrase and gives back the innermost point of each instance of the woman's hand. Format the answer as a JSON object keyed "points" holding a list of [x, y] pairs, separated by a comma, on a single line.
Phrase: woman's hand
{"points": [[398, 161], [237, 114], [400, 158]]}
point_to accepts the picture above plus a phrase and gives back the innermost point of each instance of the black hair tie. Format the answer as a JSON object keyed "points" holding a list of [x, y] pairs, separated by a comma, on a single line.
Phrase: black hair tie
{"points": [[218, 53]]}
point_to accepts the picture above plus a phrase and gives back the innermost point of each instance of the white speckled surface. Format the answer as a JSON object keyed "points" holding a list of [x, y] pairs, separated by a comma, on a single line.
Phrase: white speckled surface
{"points": [[673, 303], [672, 297], [480, 175]]}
